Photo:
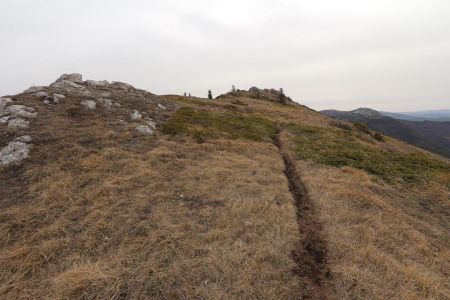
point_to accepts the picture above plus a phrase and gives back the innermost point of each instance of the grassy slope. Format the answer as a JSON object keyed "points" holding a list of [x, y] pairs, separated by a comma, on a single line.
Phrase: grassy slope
{"points": [[203, 210]]}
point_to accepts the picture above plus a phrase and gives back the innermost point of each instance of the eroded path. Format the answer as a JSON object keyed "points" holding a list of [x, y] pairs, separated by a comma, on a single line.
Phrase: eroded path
{"points": [[310, 254]]}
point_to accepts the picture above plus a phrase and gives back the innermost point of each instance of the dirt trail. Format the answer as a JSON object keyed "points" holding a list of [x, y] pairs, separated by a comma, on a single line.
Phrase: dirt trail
{"points": [[310, 254]]}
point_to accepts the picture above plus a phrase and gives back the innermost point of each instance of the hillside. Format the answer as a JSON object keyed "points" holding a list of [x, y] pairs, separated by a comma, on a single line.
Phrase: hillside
{"points": [[111, 192], [430, 135]]}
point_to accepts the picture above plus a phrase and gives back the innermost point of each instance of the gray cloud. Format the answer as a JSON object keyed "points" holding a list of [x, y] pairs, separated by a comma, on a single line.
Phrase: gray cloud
{"points": [[341, 54]]}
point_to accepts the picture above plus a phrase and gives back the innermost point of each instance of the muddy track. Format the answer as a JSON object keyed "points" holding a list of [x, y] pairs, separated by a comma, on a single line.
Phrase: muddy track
{"points": [[310, 253]]}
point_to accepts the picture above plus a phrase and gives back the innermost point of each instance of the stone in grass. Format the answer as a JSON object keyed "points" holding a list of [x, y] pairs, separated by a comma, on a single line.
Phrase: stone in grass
{"points": [[89, 104], [145, 130], [15, 151], [136, 115], [18, 123], [24, 139]]}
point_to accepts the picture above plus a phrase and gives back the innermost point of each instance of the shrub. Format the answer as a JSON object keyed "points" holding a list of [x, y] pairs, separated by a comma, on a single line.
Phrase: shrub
{"points": [[342, 148], [362, 127], [340, 124], [378, 136]]}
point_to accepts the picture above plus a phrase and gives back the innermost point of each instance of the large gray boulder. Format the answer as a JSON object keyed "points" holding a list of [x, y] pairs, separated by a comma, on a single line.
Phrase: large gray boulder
{"points": [[58, 97], [21, 111], [3, 102], [74, 77], [15, 151], [123, 86], [34, 89], [67, 85], [95, 83]]}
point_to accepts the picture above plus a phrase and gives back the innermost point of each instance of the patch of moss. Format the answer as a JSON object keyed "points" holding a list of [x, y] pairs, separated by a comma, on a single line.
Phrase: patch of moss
{"points": [[202, 124], [340, 148]]}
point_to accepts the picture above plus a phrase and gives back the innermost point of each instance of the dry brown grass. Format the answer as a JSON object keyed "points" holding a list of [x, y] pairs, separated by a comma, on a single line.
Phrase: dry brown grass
{"points": [[384, 241], [109, 214], [99, 212]]}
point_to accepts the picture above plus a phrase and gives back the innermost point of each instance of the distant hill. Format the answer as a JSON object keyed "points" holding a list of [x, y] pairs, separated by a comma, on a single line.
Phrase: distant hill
{"points": [[442, 115], [430, 135]]}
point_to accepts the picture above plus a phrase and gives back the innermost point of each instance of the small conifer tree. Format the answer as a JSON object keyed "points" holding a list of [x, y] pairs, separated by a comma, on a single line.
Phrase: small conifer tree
{"points": [[210, 96]]}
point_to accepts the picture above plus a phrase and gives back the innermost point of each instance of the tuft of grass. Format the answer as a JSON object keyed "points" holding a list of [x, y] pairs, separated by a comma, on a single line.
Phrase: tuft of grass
{"points": [[342, 148], [202, 125]]}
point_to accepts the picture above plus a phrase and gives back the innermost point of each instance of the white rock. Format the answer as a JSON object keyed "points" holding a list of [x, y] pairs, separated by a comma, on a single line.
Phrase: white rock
{"points": [[67, 85], [123, 86], [136, 115], [58, 97], [41, 94], [34, 89], [24, 139], [18, 123], [14, 152], [21, 111], [74, 77], [161, 106], [4, 120], [46, 102], [108, 103], [151, 123], [144, 130], [94, 83], [3, 102], [89, 104]]}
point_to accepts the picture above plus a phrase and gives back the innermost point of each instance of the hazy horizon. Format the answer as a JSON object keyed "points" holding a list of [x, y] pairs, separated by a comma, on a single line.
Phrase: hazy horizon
{"points": [[325, 54]]}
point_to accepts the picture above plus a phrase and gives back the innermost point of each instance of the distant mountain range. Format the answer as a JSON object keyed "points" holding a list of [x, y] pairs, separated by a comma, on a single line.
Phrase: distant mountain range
{"points": [[413, 128], [430, 115]]}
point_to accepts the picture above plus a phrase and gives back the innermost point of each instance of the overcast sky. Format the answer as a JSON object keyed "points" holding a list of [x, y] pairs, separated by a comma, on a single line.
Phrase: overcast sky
{"points": [[385, 54]]}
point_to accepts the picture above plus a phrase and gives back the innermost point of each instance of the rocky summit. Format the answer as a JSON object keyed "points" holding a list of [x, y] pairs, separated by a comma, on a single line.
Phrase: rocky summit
{"points": [[70, 97]]}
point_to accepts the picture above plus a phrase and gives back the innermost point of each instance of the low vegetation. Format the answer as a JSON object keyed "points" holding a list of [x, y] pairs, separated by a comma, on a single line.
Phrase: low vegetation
{"points": [[341, 148], [202, 124]]}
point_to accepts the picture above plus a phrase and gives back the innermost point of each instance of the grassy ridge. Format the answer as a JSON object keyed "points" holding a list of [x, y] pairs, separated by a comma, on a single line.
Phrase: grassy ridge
{"points": [[203, 124], [340, 148]]}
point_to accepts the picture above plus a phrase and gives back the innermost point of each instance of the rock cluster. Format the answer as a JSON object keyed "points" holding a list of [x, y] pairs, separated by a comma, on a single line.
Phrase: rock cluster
{"points": [[115, 97], [15, 115]]}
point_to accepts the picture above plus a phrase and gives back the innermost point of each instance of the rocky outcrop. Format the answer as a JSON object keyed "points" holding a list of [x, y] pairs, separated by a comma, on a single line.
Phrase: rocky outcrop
{"points": [[94, 83], [15, 151], [19, 111], [118, 100], [4, 102], [74, 77], [34, 89], [67, 85]]}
